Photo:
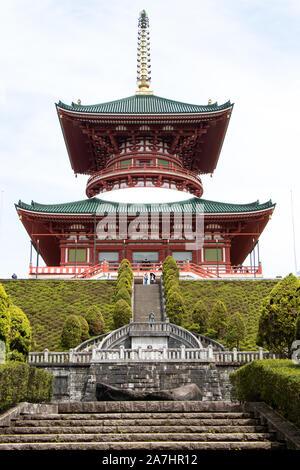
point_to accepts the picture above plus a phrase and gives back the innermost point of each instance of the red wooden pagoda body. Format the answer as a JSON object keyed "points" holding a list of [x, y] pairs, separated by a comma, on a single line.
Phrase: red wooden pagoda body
{"points": [[144, 141]]}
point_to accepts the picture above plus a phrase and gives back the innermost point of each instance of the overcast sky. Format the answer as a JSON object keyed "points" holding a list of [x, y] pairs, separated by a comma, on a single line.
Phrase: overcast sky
{"points": [[243, 50]]}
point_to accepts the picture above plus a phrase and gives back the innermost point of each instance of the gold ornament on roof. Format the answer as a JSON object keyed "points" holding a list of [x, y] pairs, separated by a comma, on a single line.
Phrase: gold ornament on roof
{"points": [[143, 56]]}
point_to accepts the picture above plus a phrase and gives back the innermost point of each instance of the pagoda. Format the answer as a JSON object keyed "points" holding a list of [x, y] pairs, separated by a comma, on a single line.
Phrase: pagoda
{"points": [[145, 141]]}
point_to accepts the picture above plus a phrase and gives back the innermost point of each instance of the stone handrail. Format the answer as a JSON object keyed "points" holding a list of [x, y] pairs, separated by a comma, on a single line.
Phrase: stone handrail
{"points": [[90, 343], [140, 355], [205, 341], [166, 328]]}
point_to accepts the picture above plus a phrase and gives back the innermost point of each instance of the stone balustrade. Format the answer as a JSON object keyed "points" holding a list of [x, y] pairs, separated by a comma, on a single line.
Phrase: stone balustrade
{"points": [[141, 355]]}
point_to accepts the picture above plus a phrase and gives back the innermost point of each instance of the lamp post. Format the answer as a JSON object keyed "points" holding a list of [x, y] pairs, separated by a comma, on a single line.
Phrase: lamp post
{"points": [[76, 257]]}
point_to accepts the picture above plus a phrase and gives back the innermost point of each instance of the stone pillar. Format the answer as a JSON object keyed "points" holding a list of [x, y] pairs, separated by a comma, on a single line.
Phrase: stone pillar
{"points": [[234, 354], [182, 347], [71, 355], [122, 354], [260, 352], [210, 352], [46, 355]]}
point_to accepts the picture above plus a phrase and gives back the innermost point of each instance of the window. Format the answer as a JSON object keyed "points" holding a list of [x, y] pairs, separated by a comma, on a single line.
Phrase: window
{"points": [[78, 255], [108, 256], [182, 255], [140, 256], [213, 254]]}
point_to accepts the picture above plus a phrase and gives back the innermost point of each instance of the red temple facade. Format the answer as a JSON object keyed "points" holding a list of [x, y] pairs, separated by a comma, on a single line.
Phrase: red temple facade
{"points": [[152, 142]]}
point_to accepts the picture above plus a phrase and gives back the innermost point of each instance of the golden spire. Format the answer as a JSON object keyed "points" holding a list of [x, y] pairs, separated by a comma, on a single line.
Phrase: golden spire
{"points": [[143, 56]]}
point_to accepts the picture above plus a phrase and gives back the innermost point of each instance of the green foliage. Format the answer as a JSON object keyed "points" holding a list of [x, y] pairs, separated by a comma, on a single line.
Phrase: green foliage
{"points": [[124, 282], [235, 330], [169, 263], [244, 296], [125, 269], [279, 312], [71, 332], [275, 382], [199, 317], [218, 320], [123, 294], [47, 304], [21, 382], [5, 320], [122, 313], [84, 328], [95, 320], [20, 337], [297, 334], [175, 307]]}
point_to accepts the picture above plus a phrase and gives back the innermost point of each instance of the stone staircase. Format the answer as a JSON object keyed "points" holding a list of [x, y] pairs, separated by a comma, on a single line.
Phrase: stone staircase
{"points": [[146, 300], [139, 425]]}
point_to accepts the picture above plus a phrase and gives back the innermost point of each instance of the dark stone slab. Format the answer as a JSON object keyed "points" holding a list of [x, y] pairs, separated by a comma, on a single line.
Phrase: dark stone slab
{"points": [[106, 392]]}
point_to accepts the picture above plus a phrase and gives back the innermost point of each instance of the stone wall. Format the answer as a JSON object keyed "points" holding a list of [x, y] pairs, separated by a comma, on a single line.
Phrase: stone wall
{"points": [[78, 382]]}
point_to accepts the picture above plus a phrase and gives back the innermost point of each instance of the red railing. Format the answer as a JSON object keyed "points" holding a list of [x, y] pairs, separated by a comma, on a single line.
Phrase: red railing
{"points": [[141, 168], [87, 272]]}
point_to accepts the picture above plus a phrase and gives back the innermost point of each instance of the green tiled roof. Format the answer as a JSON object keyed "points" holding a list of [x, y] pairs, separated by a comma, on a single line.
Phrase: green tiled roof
{"points": [[95, 205], [144, 104]]}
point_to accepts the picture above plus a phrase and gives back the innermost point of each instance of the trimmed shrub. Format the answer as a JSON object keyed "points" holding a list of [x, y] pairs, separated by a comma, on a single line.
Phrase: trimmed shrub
{"points": [[199, 317], [95, 320], [276, 382], [84, 328], [5, 320], [235, 330], [123, 294], [71, 332], [20, 336], [125, 282], [21, 382], [125, 267], [277, 322], [122, 313], [169, 263], [217, 321], [175, 307]]}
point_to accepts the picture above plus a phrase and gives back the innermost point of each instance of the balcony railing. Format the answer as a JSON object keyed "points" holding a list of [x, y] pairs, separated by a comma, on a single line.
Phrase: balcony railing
{"points": [[204, 271], [140, 355]]}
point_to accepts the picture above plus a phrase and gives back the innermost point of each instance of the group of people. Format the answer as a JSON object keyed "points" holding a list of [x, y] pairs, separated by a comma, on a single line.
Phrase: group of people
{"points": [[150, 278]]}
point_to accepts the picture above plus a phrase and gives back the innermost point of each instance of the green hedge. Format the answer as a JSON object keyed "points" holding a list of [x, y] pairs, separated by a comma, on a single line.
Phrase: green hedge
{"points": [[21, 382], [274, 381]]}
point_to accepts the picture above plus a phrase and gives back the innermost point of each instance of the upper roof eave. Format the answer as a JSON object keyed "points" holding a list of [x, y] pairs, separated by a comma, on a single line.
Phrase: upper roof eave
{"points": [[95, 205], [144, 105]]}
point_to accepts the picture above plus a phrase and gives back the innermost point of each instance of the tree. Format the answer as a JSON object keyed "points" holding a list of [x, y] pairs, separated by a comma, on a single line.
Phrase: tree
{"points": [[235, 330], [20, 336], [5, 319], [122, 313], [217, 321], [95, 320], [297, 334], [200, 316], [84, 328], [123, 294], [277, 323], [175, 308], [71, 332]]}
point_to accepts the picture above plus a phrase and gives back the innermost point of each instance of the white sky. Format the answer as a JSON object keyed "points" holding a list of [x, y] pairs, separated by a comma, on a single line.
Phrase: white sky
{"points": [[247, 51]]}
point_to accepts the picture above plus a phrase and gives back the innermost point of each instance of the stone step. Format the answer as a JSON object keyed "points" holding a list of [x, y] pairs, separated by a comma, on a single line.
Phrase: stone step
{"points": [[139, 422], [148, 406], [145, 415], [20, 438], [134, 445], [105, 429]]}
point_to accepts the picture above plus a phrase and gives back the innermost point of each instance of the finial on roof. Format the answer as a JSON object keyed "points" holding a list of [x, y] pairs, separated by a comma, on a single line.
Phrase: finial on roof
{"points": [[143, 56], [209, 101], [78, 101]]}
